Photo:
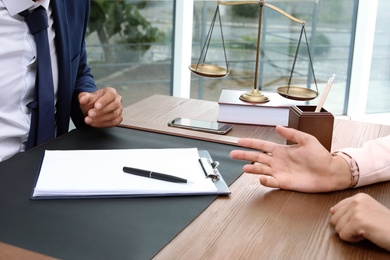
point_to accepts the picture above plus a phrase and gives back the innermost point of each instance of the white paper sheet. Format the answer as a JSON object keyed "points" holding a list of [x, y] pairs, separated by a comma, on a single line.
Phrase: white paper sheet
{"points": [[100, 172]]}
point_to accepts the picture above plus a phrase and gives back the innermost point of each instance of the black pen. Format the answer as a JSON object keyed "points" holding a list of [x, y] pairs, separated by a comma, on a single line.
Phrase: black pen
{"points": [[154, 175]]}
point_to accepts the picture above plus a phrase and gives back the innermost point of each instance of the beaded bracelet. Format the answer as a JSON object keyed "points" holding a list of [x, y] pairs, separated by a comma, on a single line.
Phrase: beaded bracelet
{"points": [[353, 166]]}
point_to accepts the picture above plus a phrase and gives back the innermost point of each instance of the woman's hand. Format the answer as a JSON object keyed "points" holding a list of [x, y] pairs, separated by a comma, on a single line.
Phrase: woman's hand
{"points": [[305, 166], [361, 217]]}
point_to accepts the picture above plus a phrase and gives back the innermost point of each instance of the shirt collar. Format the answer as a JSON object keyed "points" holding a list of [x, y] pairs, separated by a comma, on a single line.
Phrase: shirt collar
{"points": [[16, 6], [44, 3]]}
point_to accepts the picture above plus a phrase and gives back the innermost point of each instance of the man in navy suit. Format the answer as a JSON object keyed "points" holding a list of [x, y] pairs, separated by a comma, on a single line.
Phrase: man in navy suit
{"points": [[76, 95]]}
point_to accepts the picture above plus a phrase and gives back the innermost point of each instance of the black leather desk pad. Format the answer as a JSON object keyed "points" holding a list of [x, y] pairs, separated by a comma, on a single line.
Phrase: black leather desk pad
{"points": [[110, 228]]}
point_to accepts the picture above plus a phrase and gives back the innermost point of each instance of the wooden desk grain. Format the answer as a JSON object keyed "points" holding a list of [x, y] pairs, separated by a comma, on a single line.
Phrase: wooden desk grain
{"points": [[8, 252], [155, 112], [256, 222]]}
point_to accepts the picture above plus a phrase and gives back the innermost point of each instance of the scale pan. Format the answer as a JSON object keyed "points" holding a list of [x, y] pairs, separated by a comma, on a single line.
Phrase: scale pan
{"points": [[208, 70], [297, 93]]}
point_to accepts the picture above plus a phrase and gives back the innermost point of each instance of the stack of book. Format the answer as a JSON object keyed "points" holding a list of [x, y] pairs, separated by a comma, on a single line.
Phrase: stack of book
{"points": [[274, 112]]}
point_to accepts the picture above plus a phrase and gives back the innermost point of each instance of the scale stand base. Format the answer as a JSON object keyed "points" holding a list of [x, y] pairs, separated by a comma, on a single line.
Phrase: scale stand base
{"points": [[254, 96]]}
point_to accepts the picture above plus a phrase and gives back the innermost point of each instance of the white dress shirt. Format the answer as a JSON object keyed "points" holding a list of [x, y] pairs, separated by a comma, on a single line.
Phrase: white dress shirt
{"points": [[17, 73]]}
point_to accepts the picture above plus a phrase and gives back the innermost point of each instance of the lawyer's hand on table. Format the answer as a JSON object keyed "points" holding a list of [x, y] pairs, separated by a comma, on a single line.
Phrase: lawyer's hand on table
{"points": [[103, 108], [308, 167]]}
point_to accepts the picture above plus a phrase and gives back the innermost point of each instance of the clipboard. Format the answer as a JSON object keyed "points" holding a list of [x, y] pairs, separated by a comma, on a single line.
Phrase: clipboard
{"points": [[208, 167]]}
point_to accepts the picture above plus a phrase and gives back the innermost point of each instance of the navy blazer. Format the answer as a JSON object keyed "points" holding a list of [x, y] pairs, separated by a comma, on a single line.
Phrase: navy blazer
{"points": [[74, 74]]}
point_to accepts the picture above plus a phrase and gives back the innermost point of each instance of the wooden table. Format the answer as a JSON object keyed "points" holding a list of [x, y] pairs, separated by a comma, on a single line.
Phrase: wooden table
{"points": [[256, 222], [8, 252], [153, 114]]}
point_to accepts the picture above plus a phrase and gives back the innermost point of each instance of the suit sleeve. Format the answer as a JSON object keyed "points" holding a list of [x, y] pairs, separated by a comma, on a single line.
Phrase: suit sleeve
{"points": [[373, 160], [84, 78], [84, 83]]}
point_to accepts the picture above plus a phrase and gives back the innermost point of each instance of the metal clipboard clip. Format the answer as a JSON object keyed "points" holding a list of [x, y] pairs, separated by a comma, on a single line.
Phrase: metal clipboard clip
{"points": [[210, 168]]}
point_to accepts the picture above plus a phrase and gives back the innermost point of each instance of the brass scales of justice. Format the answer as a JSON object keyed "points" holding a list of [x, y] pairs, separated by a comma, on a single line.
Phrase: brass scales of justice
{"points": [[255, 95]]}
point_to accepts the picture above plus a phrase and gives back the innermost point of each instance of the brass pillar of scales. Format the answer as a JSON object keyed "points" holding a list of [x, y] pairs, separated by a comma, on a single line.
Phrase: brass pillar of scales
{"points": [[255, 95]]}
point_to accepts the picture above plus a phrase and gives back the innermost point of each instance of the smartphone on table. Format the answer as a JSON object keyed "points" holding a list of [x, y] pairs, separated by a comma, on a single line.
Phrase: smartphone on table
{"points": [[201, 125]]}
